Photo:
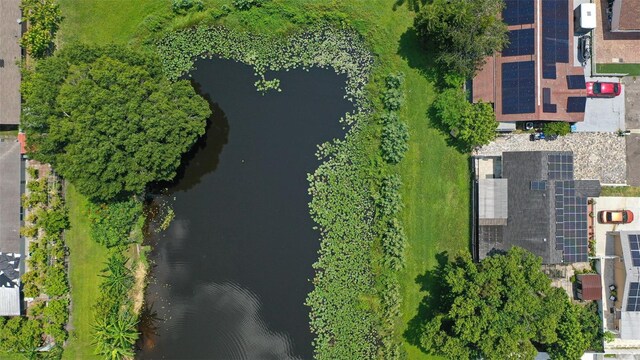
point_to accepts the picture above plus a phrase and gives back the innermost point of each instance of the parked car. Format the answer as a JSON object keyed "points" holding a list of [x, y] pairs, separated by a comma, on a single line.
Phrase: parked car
{"points": [[615, 216], [603, 89]]}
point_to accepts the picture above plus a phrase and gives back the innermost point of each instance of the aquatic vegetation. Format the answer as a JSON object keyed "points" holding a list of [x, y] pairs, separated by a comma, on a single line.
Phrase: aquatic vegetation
{"points": [[356, 297]]}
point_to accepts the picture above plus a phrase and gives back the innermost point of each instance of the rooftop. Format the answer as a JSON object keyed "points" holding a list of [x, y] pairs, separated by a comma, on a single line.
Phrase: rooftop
{"points": [[10, 53], [629, 15], [534, 77], [10, 196], [9, 284], [537, 205]]}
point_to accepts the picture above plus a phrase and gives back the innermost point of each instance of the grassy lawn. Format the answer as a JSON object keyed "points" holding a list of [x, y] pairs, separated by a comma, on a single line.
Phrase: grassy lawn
{"points": [[630, 191], [630, 69], [435, 176], [86, 261]]}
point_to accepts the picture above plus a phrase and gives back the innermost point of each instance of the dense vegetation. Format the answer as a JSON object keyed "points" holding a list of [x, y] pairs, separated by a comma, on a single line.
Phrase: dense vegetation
{"points": [[43, 19], [108, 120], [501, 308], [473, 124], [46, 281], [560, 128], [112, 223], [462, 32], [116, 324]]}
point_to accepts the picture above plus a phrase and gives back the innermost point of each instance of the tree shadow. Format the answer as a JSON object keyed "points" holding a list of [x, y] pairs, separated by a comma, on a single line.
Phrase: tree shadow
{"points": [[432, 281], [204, 156], [412, 49], [413, 5]]}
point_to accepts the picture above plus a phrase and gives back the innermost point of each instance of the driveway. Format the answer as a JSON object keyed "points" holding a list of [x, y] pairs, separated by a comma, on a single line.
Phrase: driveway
{"points": [[632, 119], [614, 203]]}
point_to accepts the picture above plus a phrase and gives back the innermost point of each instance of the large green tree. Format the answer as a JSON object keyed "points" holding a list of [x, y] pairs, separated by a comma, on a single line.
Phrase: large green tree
{"points": [[108, 120], [473, 124], [498, 309], [462, 32]]}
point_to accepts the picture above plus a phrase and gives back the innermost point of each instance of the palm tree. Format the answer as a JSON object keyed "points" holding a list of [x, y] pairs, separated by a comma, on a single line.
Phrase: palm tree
{"points": [[118, 278], [115, 335]]}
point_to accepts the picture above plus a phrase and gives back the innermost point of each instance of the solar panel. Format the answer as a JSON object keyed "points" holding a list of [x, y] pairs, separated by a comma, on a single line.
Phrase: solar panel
{"points": [[555, 36], [538, 185], [634, 244], [518, 87], [633, 297], [520, 43], [570, 209], [576, 104], [576, 82], [518, 12]]}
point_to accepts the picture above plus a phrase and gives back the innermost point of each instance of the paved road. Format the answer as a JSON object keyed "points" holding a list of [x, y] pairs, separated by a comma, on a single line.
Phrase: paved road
{"points": [[632, 121]]}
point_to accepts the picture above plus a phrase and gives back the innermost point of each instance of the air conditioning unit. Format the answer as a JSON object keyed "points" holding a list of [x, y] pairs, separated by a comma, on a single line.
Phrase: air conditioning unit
{"points": [[587, 16]]}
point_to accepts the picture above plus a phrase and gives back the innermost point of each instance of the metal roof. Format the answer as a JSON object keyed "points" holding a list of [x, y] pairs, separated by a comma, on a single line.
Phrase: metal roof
{"points": [[10, 196], [10, 54]]}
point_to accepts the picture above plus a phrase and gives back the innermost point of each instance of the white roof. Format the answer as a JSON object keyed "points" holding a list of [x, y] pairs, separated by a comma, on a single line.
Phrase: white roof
{"points": [[588, 16], [9, 301]]}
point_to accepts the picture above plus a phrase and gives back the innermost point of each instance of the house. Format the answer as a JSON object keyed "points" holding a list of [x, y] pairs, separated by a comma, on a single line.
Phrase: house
{"points": [[531, 200], [537, 76], [11, 243], [626, 284], [625, 16]]}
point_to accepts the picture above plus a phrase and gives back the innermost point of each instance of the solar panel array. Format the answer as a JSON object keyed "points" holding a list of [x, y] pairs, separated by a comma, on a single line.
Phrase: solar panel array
{"points": [[538, 185], [576, 104], [634, 244], [518, 12], [555, 36], [633, 297], [520, 43], [576, 82], [560, 167], [518, 87], [571, 222]]}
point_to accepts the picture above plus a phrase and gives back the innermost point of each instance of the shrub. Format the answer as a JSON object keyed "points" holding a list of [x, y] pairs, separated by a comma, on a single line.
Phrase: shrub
{"points": [[392, 99], [393, 244], [394, 81], [44, 19], [389, 201], [247, 4], [55, 283], [111, 224], [394, 142], [559, 128], [183, 6]]}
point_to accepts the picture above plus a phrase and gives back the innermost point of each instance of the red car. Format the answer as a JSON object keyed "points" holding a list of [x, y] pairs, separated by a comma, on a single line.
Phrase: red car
{"points": [[603, 89], [615, 216]]}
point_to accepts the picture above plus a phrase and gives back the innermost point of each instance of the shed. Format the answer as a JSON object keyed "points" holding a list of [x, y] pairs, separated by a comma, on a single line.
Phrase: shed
{"points": [[589, 286]]}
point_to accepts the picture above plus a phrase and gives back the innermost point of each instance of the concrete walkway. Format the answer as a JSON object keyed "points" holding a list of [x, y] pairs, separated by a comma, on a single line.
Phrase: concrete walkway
{"points": [[632, 120], [10, 54]]}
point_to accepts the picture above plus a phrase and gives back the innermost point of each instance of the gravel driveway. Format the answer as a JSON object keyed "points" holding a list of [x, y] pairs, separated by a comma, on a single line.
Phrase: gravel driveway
{"points": [[598, 156]]}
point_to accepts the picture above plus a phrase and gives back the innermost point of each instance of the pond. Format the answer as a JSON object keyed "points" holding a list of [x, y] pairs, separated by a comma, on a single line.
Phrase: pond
{"points": [[234, 268]]}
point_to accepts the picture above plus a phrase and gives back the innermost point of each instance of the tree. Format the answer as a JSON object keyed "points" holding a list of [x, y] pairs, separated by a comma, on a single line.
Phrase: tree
{"points": [[117, 278], [21, 335], [108, 120], [115, 335], [572, 342], [462, 32], [43, 17], [495, 309], [473, 124], [559, 128]]}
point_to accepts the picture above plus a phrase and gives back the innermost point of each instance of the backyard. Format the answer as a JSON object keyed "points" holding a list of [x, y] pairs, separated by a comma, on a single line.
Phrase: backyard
{"points": [[435, 176]]}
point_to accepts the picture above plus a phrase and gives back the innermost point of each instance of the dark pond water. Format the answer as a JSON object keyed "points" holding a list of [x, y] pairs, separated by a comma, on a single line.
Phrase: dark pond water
{"points": [[234, 268]]}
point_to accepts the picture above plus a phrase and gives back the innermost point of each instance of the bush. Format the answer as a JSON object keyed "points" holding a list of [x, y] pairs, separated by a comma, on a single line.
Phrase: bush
{"points": [[559, 128], [247, 4], [389, 201], [392, 99], [393, 244], [111, 224], [44, 19], [55, 283], [183, 6], [394, 142]]}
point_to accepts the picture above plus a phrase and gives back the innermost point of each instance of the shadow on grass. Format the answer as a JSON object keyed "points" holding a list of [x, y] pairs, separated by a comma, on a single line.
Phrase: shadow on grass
{"points": [[432, 282], [412, 5], [411, 48], [435, 122]]}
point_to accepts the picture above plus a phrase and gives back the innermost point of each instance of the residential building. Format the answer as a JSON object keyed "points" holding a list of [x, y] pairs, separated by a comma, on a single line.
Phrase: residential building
{"points": [[625, 16], [531, 200]]}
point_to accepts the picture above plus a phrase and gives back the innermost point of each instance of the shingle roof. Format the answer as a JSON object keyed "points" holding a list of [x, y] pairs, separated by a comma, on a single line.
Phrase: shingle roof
{"points": [[10, 196], [531, 220]]}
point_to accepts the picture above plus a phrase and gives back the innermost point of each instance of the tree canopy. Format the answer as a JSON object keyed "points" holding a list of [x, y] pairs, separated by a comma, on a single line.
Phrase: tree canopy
{"points": [[108, 120], [473, 124], [462, 32], [499, 308]]}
